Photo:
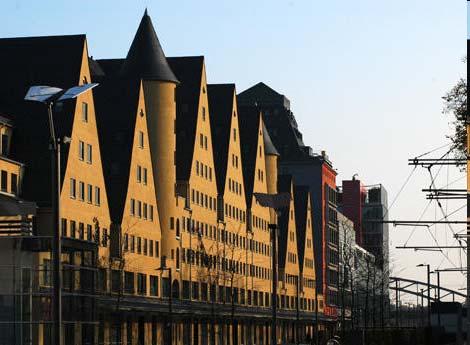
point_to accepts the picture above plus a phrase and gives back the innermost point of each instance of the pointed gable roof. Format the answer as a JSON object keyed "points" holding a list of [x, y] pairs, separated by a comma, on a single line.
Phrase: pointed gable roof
{"points": [[284, 185], [146, 58], [221, 99], [301, 194], [117, 108], [189, 71], [269, 148], [27, 61], [262, 94], [249, 119]]}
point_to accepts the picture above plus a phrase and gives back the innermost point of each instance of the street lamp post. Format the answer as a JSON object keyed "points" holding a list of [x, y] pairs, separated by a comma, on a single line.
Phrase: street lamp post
{"points": [[428, 269], [169, 325], [49, 96], [438, 273]]}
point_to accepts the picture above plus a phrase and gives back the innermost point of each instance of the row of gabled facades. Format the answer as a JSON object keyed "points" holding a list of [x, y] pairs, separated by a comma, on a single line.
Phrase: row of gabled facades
{"points": [[159, 176]]}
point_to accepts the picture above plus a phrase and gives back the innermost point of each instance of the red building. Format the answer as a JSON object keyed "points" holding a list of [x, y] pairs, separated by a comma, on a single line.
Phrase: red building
{"points": [[353, 197]]}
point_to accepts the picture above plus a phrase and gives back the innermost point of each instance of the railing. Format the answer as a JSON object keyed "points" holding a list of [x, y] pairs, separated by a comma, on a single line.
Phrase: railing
{"points": [[15, 227]]}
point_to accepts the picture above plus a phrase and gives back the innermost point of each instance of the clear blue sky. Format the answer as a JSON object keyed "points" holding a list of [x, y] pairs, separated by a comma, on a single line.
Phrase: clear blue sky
{"points": [[365, 77]]}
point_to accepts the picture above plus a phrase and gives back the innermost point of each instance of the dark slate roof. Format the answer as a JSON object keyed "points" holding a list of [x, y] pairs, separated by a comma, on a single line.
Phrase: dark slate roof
{"points": [[116, 103], [248, 118], [189, 72], [95, 69], [221, 109], [301, 194], [28, 61], [278, 118], [284, 183], [261, 94], [109, 67], [146, 58], [269, 147]]}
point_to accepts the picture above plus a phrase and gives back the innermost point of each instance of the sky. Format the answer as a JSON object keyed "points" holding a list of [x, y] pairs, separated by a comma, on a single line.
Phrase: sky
{"points": [[365, 80]]}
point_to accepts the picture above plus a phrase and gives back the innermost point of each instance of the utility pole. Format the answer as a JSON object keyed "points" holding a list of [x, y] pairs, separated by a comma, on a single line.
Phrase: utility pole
{"points": [[428, 271], [396, 303], [429, 294], [468, 232], [438, 298]]}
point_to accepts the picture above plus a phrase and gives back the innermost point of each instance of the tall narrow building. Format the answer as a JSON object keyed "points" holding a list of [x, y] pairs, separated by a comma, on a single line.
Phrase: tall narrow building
{"points": [[289, 284], [146, 60]]}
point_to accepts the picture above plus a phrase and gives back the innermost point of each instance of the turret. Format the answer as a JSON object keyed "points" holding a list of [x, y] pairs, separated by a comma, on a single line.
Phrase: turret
{"points": [[146, 60]]}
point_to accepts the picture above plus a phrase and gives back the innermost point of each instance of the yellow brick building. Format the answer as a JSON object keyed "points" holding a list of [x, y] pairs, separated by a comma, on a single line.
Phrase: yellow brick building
{"points": [[158, 181]]}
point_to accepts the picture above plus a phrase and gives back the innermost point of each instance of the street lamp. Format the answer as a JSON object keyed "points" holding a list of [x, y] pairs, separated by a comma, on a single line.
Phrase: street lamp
{"points": [[438, 296], [49, 95], [429, 290], [276, 202], [163, 267]]}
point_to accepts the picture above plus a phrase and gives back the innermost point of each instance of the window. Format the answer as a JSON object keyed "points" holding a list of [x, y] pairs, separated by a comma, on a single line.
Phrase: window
{"points": [[129, 282], [4, 144], [139, 245], [73, 226], [73, 188], [153, 285], [81, 191], [84, 112], [145, 211], [88, 232], [145, 176], [195, 291], [64, 227], [14, 184], [157, 249], [205, 142], [81, 229], [132, 207], [234, 134], [201, 140], [151, 212], [4, 181], [203, 114], [89, 153], [132, 243], [141, 139], [89, 193], [97, 196], [145, 246], [139, 174], [141, 283], [150, 247], [81, 150], [139, 209], [126, 242]]}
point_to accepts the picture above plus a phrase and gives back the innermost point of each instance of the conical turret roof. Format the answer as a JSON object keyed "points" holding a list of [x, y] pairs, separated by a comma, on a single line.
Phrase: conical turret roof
{"points": [[146, 58], [269, 147]]}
